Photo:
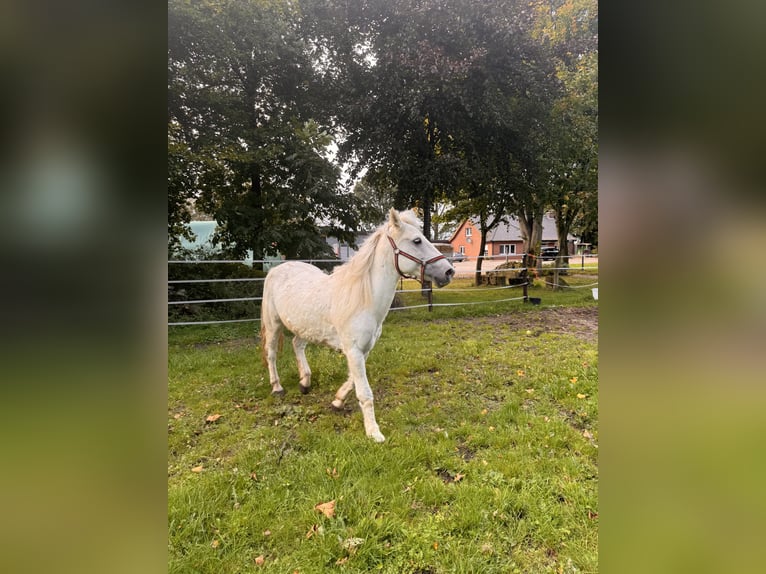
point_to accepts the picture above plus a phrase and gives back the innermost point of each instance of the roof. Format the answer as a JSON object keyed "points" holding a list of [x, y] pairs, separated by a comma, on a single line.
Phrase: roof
{"points": [[510, 231]]}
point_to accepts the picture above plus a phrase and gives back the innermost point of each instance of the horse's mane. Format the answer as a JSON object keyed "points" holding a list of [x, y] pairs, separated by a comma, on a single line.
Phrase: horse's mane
{"points": [[352, 280]]}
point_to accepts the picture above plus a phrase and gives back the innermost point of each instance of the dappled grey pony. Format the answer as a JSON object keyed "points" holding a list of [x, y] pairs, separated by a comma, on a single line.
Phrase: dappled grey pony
{"points": [[346, 308]]}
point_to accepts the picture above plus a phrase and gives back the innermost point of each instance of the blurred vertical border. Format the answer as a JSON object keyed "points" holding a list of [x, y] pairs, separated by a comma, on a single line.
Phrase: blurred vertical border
{"points": [[682, 243], [682, 248], [82, 249]]}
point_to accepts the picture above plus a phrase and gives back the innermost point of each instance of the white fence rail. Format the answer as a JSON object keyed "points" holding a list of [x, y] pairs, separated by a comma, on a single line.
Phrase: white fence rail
{"points": [[465, 273]]}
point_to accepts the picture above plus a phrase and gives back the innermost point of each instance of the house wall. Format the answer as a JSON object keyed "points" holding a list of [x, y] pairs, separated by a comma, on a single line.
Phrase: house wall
{"points": [[471, 244], [495, 248]]}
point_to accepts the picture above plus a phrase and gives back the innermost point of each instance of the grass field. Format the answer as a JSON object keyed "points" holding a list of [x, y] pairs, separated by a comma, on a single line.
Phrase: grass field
{"points": [[490, 463]]}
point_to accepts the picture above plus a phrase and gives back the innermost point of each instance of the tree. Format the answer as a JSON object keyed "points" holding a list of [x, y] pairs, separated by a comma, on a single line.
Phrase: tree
{"points": [[571, 26], [442, 101], [241, 115]]}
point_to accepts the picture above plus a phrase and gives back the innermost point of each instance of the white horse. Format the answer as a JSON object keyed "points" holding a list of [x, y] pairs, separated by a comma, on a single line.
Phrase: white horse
{"points": [[346, 308]]}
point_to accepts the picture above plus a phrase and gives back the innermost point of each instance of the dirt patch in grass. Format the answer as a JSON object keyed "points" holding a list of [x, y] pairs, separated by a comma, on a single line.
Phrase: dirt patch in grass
{"points": [[582, 322]]}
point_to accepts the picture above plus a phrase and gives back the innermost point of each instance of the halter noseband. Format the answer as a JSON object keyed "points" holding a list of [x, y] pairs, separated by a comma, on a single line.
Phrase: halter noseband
{"points": [[421, 262]]}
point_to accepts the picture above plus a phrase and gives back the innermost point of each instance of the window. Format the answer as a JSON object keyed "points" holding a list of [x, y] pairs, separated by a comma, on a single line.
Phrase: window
{"points": [[462, 250], [468, 231], [508, 249]]}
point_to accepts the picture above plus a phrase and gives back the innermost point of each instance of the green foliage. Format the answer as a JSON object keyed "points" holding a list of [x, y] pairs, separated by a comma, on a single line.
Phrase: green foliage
{"points": [[488, 106], [206, 291], [244, 138]]}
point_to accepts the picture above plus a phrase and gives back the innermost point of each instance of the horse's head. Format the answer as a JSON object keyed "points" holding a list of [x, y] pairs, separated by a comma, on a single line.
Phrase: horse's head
{"points": [[414, 255]]}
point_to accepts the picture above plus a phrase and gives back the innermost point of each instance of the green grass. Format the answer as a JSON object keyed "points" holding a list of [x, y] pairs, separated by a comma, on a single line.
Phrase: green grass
{"points": [[484, 391]]}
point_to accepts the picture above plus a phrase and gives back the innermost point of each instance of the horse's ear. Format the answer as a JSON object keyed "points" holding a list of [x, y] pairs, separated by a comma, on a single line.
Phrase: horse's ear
{"points": [[393, 218]]}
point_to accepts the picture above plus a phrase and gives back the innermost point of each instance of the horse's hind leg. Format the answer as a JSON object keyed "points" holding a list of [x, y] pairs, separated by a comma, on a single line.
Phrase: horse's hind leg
{"points": [[342, 393], [271, 332], [299, 346]]}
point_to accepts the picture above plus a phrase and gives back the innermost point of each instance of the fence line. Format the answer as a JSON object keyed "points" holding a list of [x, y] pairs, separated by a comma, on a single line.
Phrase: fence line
{"points": [[212, 322], [232, 280], [473, 290], [579, 286], [250, 262], [456, 304], [244, 279], [214, 300]]}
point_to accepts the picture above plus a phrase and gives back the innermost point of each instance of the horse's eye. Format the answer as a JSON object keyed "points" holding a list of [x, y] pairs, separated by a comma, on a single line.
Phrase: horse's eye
{"points": [[416, 241]]}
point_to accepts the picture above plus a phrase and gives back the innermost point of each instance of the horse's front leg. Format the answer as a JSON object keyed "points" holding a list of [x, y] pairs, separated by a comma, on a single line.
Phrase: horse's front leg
{"points": [[358, 373]]}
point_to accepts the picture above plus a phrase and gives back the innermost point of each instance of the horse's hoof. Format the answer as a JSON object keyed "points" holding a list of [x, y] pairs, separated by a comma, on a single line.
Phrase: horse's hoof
{"points": [[279, 393], [304, 390], [377, 437], [338, 408]]}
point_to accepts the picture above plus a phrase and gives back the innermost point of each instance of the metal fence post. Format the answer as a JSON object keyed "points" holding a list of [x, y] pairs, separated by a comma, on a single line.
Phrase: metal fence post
{"points": [[525, 276]]}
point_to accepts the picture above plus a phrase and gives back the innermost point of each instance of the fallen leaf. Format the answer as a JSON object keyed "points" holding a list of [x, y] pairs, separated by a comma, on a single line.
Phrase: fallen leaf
{"points": [[197, 469], [260, 560], [332, 473], [212, 418], [491, 429], [253, 476], [267, 532], [580, 396], [592, 515], [351, 544], [520, 373], [530, 391], [436, 545], [313, 530], [587, 434], [458, 477], [573, 380], [215, 543], [341, 561], [326, 508], [177, 416], [484, 412], [486, 548]]}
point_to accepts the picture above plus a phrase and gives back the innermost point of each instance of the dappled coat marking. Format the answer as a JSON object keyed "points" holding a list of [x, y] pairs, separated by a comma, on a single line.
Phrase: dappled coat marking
{"points": [[346, 308]]}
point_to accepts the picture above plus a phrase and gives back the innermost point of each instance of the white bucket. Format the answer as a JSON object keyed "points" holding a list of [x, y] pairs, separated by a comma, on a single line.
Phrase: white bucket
{"points": [[595, 293]]}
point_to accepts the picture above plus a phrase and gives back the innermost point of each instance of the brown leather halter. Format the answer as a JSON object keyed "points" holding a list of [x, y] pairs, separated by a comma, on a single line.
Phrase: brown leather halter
{"points": [[422, 262]]}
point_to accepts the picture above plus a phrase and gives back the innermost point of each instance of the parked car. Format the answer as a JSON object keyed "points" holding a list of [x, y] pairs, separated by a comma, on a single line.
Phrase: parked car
{"points": [[549, 253], [458, 256]]}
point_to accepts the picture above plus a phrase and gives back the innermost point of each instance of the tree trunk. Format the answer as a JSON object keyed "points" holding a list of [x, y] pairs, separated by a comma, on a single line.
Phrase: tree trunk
{"points": [[537, 236], [562, 260], [531, 227], [257, 203], [480, 258], [564, 219]]}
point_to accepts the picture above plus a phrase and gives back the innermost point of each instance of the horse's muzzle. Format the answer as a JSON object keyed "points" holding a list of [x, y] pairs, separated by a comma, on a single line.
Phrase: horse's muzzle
{"points": [[444, 279]]}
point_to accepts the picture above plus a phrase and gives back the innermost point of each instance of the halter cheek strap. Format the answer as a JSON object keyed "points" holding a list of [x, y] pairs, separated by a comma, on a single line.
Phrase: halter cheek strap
{"points": [[421, 262]]}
